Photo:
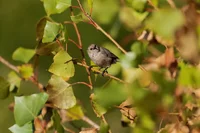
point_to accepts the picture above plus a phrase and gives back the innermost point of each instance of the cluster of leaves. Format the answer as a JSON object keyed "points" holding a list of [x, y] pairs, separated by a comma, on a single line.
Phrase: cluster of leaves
{"points": [[161, 70]]}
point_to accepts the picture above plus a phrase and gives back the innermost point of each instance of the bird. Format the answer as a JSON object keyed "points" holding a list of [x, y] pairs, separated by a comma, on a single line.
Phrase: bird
{"points": [[102, 57]]}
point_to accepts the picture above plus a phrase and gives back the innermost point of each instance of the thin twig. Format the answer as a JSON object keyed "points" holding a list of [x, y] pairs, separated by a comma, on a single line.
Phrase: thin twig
{"points": [[73, 42], [68, 130], [84, 83], [99, 28], [81, 48], [171, 3], [68, 22], [59, 44], [3, 61], [86, 119], [105, 74], [150, 2], [32, 79]]}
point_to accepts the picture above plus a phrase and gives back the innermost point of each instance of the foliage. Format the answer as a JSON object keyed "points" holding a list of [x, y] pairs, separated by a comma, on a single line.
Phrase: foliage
{"points": [[155, 85]]}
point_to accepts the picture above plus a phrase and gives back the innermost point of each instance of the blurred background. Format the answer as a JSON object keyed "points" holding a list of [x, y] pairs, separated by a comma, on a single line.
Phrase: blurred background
{"points": [[18, 29]]}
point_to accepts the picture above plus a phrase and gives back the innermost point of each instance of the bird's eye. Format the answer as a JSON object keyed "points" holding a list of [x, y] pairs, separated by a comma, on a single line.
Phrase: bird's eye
{"points": [[91, 48]]}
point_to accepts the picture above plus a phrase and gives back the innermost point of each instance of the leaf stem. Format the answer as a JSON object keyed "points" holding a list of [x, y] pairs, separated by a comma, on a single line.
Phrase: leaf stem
{"points": [[99, 28], [84, 83]]}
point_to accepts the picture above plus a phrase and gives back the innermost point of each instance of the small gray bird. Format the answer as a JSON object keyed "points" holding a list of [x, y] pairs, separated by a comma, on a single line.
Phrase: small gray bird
{"points": [[102, 57]]}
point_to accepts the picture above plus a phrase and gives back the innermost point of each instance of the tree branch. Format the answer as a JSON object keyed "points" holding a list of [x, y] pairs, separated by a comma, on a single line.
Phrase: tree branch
{"points": [[6, 63], [99, 72], [81, 47], [76, 83], [86, 119], [14, 68], [99, 28]]}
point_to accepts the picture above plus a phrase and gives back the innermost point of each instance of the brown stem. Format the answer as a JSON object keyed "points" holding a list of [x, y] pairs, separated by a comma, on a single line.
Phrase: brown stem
{"points": [[32, 79], [68, 130], [59, 43], [150, 2], [6, 63], [81, 48], [86, 119], [171, 3], [99, 28], [99, 72], [84, 83], [74, 42]]}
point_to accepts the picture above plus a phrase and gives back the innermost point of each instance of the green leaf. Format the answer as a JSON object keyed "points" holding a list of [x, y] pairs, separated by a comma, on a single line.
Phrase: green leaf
{"points": [[51, 30], [189, 76], [27, 128], [60, 93], [4, 88], [62, 66], [27, 107], [57, 122], [14, 80], [139, 5], [165, 22], [77, 18], [105, 97], [23, 54], [26, 71], [75, 113], [56, 6], [40, 28]]}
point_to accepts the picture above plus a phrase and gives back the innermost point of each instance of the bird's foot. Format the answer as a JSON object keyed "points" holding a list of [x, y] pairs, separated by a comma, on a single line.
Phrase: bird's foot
{"points": [[104, 71], [90, 67]]}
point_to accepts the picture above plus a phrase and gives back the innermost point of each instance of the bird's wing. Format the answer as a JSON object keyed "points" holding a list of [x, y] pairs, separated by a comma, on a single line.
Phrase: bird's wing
{"points": [[111, 55]]}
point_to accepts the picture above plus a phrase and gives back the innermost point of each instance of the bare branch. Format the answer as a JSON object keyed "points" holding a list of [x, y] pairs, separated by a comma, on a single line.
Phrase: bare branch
{"points": [[171, 3], [99, 72], [99, 28], [32, 79], [81, 47], [6, 63], [84, 83], [86, 119]]}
